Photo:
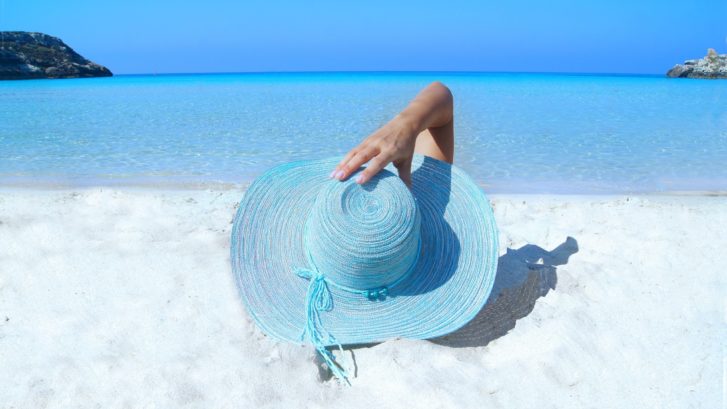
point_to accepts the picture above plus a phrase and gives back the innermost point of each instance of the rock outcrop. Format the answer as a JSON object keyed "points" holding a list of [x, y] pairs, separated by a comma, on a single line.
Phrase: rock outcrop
{"points": [[26, 55], [712, 66]]}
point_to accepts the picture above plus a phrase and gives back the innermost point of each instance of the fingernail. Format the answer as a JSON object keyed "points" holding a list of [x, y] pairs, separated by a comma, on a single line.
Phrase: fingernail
{"points": [[359, 179], [339, 175], [332, 174]]}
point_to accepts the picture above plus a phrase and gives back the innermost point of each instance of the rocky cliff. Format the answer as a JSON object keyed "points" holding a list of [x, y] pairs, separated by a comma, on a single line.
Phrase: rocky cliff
{"points": [[712, 66], [26, 55]]}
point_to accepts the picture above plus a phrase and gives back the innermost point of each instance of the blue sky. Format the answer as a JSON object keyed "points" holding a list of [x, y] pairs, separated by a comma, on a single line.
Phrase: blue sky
{"points": [[235, 36]]}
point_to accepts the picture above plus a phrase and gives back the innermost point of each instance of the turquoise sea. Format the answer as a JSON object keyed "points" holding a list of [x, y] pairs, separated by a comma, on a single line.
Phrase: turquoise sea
{"points": [[514, 132]]}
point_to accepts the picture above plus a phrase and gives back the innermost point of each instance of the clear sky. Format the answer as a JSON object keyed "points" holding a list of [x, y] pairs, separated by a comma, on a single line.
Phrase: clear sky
{"points": [[601, 36]]}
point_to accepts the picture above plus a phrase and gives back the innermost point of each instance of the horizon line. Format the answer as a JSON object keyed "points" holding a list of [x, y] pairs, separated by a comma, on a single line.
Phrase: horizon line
{"points": [[422, 72]]}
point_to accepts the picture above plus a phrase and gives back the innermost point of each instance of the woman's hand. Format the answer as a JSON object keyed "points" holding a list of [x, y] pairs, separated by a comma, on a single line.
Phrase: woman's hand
{"points": [[395, 142]]}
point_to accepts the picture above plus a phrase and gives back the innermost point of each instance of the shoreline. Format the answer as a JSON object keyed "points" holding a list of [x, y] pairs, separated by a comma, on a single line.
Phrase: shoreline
{"points": [[228, 186]]}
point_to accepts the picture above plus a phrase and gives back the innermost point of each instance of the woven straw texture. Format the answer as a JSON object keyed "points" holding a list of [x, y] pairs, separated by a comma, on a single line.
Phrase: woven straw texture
{"points": [[441, 251]]}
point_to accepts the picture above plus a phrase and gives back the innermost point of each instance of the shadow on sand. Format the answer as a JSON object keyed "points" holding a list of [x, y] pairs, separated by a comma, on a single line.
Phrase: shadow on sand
{"points": [[523, 276]]}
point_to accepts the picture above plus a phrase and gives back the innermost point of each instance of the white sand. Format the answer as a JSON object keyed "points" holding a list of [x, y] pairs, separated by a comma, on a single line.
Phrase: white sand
{"points": [[124, 298]]}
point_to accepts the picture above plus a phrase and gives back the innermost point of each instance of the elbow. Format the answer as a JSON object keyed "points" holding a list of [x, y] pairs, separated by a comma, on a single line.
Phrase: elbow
{"points": [[442, 92], [445, 100], [440, 88]]}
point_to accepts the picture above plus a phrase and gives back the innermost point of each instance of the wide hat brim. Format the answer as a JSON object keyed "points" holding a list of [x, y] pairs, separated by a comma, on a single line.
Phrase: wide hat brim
{"points": [[450, 284]]}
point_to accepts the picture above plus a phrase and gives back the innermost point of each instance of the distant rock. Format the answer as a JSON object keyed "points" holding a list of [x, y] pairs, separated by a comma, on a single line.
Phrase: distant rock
{"points": [[26, 55], [712, 66]]}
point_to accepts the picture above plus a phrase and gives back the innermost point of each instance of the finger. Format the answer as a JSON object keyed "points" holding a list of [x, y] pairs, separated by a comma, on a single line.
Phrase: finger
{"points": [[345, 160], [356, 162], [404, 168], [374, 166], [365, 144]]}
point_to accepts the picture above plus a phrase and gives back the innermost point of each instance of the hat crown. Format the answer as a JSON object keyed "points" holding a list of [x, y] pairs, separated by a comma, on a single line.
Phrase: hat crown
{"points": [[364, 236]]}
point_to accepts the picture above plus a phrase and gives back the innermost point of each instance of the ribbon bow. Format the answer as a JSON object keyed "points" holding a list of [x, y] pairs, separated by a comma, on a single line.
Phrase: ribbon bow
{"points": [[318, 298]]}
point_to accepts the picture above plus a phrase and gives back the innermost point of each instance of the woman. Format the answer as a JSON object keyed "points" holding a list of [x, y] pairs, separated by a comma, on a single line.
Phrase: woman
{"points": [[380, 262], [425, 127]]}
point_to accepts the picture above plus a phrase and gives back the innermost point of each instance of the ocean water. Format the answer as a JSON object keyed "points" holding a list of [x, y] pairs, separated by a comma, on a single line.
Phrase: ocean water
{"points": [[514, 132]]}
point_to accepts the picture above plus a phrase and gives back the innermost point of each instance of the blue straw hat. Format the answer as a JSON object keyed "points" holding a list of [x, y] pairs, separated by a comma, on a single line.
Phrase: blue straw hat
{"points": [[331, 262]]}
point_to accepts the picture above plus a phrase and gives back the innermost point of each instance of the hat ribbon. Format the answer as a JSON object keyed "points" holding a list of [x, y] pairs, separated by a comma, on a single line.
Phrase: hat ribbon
{"points": [[318, 298]]}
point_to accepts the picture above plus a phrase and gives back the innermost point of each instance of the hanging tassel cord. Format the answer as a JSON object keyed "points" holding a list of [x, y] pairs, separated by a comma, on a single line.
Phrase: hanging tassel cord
{"points": [[319, 299]]}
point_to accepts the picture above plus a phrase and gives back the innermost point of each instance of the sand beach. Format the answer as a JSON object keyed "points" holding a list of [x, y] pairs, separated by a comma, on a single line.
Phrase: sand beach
{"points": [[124, 297]]}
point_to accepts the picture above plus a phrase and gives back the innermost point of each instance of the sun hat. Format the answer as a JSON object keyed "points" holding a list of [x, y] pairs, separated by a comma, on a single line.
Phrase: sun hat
{"points": [[330, 262]]}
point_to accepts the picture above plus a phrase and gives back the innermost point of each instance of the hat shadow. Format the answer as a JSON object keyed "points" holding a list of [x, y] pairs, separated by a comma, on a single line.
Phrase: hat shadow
{"points": [[523, 276], [436, 206]]}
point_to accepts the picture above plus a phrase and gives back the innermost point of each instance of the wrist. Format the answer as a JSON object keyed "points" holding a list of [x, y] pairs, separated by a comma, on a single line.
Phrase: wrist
{"points": [[410, 124]]}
